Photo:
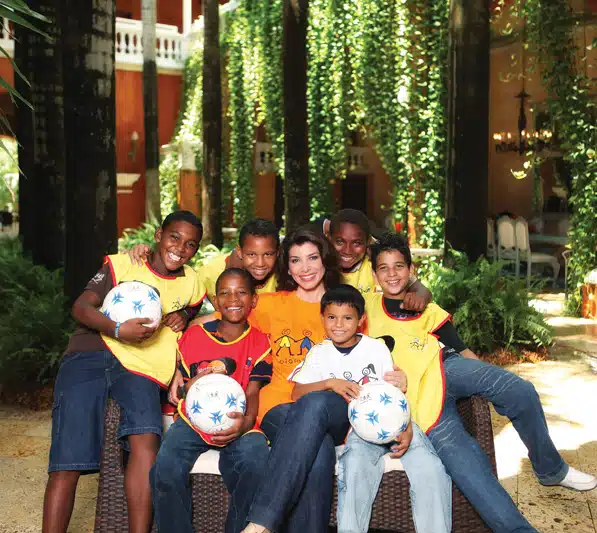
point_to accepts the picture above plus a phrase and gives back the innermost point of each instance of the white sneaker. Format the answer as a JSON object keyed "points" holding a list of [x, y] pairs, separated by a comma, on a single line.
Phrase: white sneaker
{"points": [[577, 480], [255, 528]]}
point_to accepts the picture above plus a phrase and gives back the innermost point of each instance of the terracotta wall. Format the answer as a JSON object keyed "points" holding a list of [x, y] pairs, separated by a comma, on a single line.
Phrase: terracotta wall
{"points": [[129, 118]]}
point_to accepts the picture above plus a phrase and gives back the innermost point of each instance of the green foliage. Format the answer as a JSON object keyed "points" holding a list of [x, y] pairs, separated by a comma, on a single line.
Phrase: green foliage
{"points": [[550, 26], [145, 235], [490, 310], [242, 88], [187, 132], [9, 176], [34, 321], [266, 17], [333, 26]]}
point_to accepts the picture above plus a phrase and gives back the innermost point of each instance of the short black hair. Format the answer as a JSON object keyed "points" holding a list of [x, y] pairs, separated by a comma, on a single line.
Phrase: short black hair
{"points": [[350, 216], [239, 272], [344, 295], [184, 216], [259, 227], [390, 242]]}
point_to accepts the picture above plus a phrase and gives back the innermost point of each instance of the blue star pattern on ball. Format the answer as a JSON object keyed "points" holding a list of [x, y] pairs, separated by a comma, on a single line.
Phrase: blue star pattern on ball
{"points": [[196, 408], [385, 398], [404, 426], [216, 417], [243, 405], [152, 296], [373, 417], [107, 313], [382, 434], [403, 405], [117, 298], [138, 307], [231, 400], [353, 414]]}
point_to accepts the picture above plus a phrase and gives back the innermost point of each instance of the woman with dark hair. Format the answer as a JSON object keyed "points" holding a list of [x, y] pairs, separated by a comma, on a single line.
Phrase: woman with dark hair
{"points": [[296, 494]]}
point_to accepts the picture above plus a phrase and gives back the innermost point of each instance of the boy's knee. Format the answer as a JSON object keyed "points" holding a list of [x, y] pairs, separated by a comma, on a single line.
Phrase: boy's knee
{"points": [[167, 473], [317, 405]]}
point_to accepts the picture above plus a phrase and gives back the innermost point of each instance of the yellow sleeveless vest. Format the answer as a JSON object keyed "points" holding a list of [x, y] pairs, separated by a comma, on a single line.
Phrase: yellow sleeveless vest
{"points": [[416, 351], [154, 358], [362, 278]]}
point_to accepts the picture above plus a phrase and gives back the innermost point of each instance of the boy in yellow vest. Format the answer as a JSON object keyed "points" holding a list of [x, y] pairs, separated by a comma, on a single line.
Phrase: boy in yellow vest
{"points": [[440, 370], [349, 231], [256, 252], [128, 361]]}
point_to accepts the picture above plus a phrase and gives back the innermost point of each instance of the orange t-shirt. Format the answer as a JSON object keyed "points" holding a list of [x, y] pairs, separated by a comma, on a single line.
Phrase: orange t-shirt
{"points": [[293, 327]]}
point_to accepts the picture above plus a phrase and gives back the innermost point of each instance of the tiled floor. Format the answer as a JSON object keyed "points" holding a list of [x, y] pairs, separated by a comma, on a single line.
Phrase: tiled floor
{"points": [[567, 384]]}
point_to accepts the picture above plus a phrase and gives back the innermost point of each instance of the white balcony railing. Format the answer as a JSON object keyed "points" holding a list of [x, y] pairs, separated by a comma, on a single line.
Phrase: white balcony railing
{"points": [[129, 49]]}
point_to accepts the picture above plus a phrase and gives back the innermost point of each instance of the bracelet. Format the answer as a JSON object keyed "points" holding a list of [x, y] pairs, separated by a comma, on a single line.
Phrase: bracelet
{"points": [[116, 330]]}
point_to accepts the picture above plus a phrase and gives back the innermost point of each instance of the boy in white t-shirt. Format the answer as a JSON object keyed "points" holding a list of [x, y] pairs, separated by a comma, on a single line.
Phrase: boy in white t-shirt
{"points": [[342, 364]]}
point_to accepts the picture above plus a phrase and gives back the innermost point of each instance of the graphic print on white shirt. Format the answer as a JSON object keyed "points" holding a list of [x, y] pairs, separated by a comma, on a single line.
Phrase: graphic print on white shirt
{"points": [[368, 361]]}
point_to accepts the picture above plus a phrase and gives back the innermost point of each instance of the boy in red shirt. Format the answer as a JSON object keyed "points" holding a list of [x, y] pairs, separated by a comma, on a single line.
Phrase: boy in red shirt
{"points": [[243, 452]]}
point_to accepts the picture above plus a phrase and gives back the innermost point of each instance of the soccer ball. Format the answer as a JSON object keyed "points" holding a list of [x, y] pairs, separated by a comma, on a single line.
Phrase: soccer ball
{"points": [[133, 299], [209, 400], [380, 413]]}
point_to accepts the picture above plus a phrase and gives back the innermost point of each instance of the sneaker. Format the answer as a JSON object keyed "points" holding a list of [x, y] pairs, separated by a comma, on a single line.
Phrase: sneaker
{"points": [[577, 480], [255, 528]]}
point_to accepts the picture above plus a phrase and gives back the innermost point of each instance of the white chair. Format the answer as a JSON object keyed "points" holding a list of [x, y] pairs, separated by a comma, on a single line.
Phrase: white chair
{"points": [[491, 246], [506, 242], [525, 254]]}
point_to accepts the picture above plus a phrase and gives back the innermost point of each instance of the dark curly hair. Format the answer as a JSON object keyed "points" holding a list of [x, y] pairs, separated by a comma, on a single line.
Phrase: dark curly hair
{"points": [[390, 242], [329, 259]]}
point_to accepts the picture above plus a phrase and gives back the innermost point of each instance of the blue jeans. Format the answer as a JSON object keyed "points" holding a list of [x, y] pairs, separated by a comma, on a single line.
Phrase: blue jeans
{"points": [[296, 492], [467, 463], [361, 467], [241, 465]]}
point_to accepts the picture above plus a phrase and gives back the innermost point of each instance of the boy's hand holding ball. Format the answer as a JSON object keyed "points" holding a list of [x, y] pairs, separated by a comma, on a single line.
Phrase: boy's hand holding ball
{"points": [[239, 427], [402, 442], [347, 389], [136, 330]]}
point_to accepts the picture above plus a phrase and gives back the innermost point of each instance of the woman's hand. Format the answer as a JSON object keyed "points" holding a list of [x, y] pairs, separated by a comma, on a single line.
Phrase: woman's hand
{"points": [[176, 321], [402, 442], [397, 377], [347, 389]]}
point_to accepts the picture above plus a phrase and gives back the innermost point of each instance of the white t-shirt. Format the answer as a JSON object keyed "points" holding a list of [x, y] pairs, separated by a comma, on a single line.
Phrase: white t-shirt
{"points": [[367, 361]]}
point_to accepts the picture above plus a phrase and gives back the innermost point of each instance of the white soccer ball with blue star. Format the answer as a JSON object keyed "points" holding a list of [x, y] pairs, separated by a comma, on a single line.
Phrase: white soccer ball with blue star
{"points": [[380, 413], [133, 299], [209, 400]]}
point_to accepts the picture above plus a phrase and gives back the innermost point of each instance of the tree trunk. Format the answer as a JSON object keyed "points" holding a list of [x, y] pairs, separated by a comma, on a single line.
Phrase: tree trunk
{"points": [[47, 97], [296, 150], [24, 133], [89, 120], [468, 127], [150, 108], [211, 190]]}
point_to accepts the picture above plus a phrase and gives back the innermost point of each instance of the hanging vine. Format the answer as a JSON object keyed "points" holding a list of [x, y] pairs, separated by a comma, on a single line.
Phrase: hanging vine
{"points": [[550, 27], [242, 89], [266, 17], [187, 131], [330, 96], [381, 85], [426, 152]]}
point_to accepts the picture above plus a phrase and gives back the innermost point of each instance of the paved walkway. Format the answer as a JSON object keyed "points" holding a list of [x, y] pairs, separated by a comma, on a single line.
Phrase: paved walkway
{"points": [[567, 384]]}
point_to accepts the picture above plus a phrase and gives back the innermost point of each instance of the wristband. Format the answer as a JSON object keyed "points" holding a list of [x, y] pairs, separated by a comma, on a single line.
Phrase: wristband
{"points": [[116, 330]]}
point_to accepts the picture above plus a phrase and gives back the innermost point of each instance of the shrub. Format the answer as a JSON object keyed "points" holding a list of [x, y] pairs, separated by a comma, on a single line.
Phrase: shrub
{"points": [[490, 310], [34, 321]]}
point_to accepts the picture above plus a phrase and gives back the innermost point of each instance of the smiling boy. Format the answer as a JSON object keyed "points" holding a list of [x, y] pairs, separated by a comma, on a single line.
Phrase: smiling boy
{"points": [[127, 361], [441, 369]]}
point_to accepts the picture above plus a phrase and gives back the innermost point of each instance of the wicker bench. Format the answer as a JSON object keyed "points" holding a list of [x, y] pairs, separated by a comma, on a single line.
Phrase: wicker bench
{"points": [[391, 511]]}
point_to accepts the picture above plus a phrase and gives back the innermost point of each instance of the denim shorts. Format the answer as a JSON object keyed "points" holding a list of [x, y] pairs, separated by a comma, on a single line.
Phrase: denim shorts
{"points": [[84, 383]]}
